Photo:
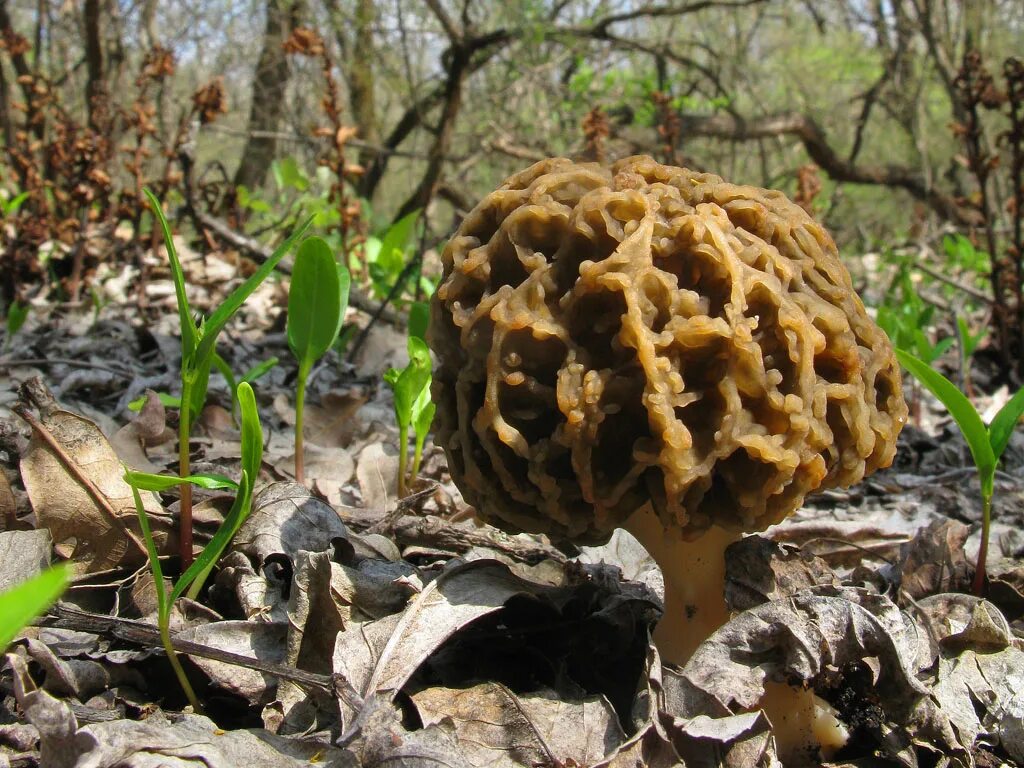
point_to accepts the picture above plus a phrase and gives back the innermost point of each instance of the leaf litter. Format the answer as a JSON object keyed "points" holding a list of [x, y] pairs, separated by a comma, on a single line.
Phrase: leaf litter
{"points": [[345, 626]]}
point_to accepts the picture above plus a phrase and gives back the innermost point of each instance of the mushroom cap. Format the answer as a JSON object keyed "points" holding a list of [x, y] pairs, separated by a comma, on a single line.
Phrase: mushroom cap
{"points": [[608, 337]]}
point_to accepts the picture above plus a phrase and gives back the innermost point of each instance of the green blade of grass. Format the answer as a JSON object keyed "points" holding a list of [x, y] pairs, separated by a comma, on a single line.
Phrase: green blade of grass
{"points": [[960, 408], [1005, 421], [189, 337], [25, 601], [230, 305]]}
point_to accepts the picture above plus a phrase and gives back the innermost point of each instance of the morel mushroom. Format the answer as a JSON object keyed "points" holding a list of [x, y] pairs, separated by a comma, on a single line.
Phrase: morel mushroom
{"points": [[653, 348]]}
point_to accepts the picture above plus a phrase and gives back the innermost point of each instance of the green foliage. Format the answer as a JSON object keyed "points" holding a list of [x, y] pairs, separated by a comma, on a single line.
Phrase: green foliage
{"points": [[198, 346], [146, 481], [23, 602], [317, 301], [419, 319], [961, 254], [387, 255], [17, 314], [411, 388], [985, 443], [195, 575], [906, 318], [10, 207]]}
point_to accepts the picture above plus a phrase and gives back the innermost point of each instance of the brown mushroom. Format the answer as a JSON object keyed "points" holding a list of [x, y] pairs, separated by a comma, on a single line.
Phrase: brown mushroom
{"points": [[647, 347]]}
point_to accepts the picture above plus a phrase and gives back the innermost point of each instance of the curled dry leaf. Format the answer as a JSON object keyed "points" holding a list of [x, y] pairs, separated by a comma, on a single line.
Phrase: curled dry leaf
{"points": [[495, 726], [980, 682], [811, 638], [376, 659], [758, 570], [286, 519], [57, 473]]}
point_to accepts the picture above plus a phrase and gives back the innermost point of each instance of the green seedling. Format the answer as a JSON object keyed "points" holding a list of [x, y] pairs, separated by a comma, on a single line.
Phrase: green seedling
{"points": [[419, 318], [408, 385], [168, 401], [317, 301], [423, 411], [23, 602], [17, 314], [968, 343], [906, 319], [192, 580], [986, 443], [198, 348], [10, 207], [253, 374], [386, 256]]}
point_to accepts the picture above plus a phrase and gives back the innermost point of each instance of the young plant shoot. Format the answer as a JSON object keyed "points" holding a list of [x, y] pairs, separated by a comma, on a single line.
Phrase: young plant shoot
{"points": [[408, 386], [25, 601], [986, 443], [198, 348], [317, 302], [192, 580], [256, 372]]}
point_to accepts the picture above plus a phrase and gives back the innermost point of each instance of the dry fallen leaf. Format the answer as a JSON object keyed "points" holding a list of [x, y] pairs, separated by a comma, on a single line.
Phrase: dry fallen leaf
{"points": [[934, 560], [287, 519], [186, 741], [758, 570], [23, 554], [57, 475], [493, 725], [256, 640]]}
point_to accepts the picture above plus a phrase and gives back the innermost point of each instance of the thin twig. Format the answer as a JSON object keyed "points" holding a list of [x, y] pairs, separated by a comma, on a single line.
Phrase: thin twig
{"points": [[140, 633], [75, 471], [47, 361]]}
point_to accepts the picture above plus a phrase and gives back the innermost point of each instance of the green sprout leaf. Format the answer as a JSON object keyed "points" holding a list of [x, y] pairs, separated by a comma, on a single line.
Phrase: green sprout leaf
{"points": [[169, 401], [1003, 424], [189, 335], [230, 305], [147, 481], [316, 300], [17, 314], [259, 371], [408, 384], [252, 433], [419, 318], [25, 601], [960, 408]]}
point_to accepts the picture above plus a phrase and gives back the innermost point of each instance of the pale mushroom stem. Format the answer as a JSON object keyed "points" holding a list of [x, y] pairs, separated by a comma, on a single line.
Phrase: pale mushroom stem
{"points": [[694, 573]]}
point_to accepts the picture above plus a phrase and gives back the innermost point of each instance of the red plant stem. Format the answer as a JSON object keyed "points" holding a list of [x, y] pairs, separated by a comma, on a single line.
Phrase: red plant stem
{"points": [[978, 587]]}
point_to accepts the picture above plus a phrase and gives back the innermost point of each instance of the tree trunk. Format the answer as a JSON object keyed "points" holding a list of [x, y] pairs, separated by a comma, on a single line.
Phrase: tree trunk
{"points": [[93, 60], [364, 109], [268, 91]]}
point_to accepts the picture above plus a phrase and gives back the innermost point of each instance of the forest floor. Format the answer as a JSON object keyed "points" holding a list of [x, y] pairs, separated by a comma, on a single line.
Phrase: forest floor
{"points": [[345, 626]]}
